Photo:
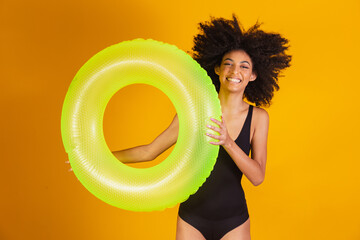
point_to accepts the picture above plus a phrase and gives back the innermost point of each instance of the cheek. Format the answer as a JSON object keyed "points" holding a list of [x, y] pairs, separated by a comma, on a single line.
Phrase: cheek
{"points": [[247, 74], [223, 72]]}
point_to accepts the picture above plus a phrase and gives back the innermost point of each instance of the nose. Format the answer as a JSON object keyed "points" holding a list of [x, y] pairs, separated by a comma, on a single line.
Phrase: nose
{"points": [[235, 69]]}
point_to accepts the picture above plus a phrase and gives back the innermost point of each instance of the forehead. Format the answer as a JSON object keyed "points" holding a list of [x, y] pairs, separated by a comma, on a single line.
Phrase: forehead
{"points": [[237, 56]]}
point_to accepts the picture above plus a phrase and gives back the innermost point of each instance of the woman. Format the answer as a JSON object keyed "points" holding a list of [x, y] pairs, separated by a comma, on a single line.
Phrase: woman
{"points": [[242, 65]]}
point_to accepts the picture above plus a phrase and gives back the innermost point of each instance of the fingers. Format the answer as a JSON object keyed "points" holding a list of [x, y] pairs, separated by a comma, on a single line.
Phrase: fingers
{"points": [[213, 136], [68, 162], [220, 139], [221, 130], [217, 137], [216, 121], [214, 128]]}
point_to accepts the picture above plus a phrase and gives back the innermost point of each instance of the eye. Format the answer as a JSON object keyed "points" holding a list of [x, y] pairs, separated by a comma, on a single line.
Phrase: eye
{"points": [[246, 67], [227, 64]]}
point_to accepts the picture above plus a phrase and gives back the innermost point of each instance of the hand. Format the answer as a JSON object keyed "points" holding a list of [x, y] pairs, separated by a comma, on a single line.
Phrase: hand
{"points": [[224, 138], [70, 170]]}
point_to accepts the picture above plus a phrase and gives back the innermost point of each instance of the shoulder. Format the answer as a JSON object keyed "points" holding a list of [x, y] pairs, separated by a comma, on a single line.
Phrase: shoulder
{"points": [[260, 112], [260, 117]]}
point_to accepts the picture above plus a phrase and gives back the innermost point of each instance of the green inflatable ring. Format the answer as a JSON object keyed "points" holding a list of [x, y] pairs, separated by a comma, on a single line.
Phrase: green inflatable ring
{"points": [[194, 97]]}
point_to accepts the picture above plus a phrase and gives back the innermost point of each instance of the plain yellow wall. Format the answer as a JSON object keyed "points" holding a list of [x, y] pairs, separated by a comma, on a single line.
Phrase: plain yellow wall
{"points": [[312, 182]]}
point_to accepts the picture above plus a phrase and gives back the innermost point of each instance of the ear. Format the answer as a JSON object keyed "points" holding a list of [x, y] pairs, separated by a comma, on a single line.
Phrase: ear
{"points": [[217, 70], [253, 76]]}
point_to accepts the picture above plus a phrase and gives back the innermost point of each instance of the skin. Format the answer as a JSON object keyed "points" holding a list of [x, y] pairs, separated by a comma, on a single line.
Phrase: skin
{"points": [[235, 72], [236, 66]]}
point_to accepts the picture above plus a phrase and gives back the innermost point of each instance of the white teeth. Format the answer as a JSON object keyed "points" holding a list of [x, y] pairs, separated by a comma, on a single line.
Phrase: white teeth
{"points": [[233, 80]]}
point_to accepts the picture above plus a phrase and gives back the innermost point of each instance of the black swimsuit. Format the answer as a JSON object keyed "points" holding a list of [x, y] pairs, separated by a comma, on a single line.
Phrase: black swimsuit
{"points": [[219, 205]]}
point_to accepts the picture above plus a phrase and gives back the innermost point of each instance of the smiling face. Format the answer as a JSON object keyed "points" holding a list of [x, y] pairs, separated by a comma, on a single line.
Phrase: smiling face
{"points": [[235, 71]]}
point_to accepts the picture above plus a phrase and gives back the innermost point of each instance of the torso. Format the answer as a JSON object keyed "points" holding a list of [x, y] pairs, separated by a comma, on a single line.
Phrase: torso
{"points": [[222, 196], [234, 123]]}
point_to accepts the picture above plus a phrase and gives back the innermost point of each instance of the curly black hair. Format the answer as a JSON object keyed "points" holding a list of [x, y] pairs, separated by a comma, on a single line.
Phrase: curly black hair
{"points": [[266, 50]]}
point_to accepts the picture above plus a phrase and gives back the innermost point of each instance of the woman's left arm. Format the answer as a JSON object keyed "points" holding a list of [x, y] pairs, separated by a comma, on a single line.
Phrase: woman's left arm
{"points": [[253, 168]]}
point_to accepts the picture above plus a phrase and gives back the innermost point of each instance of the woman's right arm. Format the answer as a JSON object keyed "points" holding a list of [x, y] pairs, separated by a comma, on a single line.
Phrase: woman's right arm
{"points": [[150, 151]]}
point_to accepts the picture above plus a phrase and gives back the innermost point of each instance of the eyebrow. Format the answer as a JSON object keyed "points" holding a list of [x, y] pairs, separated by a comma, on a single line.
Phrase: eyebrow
{"points": [[240, 62]]}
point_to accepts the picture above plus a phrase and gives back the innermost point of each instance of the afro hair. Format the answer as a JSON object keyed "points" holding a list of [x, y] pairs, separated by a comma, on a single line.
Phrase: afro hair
{"points": [[266, 50]]}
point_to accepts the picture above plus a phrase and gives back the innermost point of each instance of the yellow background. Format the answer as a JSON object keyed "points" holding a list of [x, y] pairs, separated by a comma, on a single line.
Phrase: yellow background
{"points": [[312, 184]]}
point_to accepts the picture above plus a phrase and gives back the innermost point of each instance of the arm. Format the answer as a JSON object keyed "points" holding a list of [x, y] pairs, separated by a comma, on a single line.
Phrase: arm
{"points": [[253, 168], [150, 151]]}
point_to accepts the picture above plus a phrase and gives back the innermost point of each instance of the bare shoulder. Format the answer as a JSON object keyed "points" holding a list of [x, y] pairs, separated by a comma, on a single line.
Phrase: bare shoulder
{"points": [[260, 117], [259, 126]]}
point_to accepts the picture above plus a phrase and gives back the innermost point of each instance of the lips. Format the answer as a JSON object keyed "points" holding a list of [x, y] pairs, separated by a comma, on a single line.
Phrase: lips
{"points": [[234, 80]]}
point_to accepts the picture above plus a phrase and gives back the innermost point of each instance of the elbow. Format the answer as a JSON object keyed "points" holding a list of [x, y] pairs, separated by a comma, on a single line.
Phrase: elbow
{"points": [[259, 177], [258, 181], [146, 158], [147, 154]]}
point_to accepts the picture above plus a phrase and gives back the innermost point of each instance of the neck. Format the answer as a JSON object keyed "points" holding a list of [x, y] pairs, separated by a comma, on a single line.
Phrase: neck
{"points": [[231, 103]]}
